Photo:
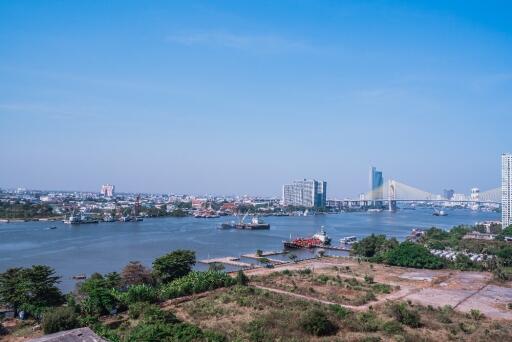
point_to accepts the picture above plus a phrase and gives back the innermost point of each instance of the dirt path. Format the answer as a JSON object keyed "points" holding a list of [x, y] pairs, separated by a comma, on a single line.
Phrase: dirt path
{"points": [[393, 296], [471, 295]]}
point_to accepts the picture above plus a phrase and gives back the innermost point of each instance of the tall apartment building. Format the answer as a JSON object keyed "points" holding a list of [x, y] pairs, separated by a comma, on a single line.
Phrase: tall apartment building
{"points": [[306, 193], [107, 190], [376, 182], [506, 189]]}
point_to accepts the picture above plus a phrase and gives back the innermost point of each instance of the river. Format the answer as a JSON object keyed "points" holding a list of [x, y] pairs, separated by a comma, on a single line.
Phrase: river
{"points": [[107, 247]]}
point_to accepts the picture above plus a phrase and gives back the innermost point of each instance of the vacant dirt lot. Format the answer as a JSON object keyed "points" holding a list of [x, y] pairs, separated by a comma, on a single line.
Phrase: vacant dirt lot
{"points": [[462, 290]]}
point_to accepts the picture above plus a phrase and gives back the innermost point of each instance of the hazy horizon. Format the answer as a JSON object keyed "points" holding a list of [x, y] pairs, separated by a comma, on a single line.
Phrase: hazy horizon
{"points": [[240, 98]]}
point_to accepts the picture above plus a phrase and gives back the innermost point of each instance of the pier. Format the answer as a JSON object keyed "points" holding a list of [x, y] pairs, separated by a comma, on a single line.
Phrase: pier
{"points": [[234, 261]]}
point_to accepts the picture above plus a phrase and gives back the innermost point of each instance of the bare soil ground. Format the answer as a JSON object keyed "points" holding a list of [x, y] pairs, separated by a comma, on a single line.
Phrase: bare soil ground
{"points": [[462, 290]]}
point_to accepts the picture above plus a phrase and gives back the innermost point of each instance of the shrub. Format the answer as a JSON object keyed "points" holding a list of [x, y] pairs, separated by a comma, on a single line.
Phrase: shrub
{"points": [[196, 282], [141, 293], [315, 322], [241, 278], [366, 322], [404, 315], [392, 327], [340, 311], [476, 314], [136, 310], [59, 319]]}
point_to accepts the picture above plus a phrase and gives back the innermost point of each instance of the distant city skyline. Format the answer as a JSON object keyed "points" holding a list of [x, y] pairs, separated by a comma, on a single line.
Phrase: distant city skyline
{"points": [[242, 97]]}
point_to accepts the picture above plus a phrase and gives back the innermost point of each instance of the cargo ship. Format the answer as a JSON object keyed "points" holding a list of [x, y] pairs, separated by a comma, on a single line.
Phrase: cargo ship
{"points": [[80, 219], [319, 239]]}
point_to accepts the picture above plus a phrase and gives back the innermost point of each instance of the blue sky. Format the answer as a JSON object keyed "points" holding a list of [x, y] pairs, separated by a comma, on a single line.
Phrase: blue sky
{"points": [[242, 96]]}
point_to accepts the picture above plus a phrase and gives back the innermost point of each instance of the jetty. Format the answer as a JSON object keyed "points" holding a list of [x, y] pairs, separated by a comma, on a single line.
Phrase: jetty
{"points": [[234, 261], [263, 254]]}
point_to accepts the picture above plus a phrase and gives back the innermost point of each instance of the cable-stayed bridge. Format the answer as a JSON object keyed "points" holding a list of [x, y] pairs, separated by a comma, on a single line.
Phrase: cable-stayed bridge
{"points": [[393, 191], [397, 191]]}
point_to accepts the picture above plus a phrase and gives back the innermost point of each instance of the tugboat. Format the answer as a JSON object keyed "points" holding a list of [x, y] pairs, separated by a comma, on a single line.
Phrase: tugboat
{"points": [[256, 223], [319, 239]]}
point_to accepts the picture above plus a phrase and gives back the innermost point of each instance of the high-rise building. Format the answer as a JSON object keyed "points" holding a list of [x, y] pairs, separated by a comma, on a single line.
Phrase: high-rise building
{"points": [[107, 190], [448, 193], [305, 193], [506, 189], [376, 182]]}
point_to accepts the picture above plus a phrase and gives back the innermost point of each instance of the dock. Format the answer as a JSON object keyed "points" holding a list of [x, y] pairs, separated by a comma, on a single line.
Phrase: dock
{"points": [[263, 254], [272, 261], [234, 261]]}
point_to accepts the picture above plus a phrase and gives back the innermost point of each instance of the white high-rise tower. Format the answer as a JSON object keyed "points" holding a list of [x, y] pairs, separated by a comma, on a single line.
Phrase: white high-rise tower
{"points": [[506, 189]]}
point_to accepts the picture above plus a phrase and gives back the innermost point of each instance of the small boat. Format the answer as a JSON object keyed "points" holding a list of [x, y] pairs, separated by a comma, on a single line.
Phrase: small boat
{"points": [[440, 213], [349, 240], [52, 227], [80, 276]]}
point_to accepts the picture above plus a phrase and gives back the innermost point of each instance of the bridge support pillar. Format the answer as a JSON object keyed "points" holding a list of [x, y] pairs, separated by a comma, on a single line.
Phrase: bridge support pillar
{"points": [[392, 205]]}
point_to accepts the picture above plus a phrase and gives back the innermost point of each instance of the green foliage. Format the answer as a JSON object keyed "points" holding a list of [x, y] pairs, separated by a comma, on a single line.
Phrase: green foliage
{"points": [[241, 278], [137, 309], [23, 210], [365, 322], [373, 246], [463, 262], [174, 265], [476, 314], [159, 325], [315, 322], [340, 311], [409, 254], [141, 293], [392, 327], [507, 231], [196, 282], [505, 254], [32, 288], [216, 266], [405, 315], [98, 297], [259, 253], [59, 319]]}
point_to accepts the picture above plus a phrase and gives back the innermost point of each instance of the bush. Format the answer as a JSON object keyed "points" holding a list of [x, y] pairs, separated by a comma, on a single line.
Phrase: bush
{"points": [[404, 315], [196, 282], [315, 322], [476, 314], [340, 311], [59, 319], [392, 327], [241, 278], [365, 322], [141, 293], [409, 254], [136, 310]]}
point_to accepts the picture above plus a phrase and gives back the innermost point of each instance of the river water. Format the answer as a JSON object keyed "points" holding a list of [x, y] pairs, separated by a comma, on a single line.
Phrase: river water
{"points": [[107, 247]]}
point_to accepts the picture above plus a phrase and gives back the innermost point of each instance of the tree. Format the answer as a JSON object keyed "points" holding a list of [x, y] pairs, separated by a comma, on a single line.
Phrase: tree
{"points": [[409, 254], [259, 253], [174, 265], [30, 288], [136, 274], [373, 245]]}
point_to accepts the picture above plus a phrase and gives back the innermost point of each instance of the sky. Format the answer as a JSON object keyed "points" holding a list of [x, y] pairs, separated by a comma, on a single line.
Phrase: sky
{"points": [[240, 97]]}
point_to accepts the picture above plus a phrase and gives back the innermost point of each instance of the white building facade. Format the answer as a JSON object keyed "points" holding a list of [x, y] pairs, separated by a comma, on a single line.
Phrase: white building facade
{"points": [[307, 193], [506, 189], [107, 190]]}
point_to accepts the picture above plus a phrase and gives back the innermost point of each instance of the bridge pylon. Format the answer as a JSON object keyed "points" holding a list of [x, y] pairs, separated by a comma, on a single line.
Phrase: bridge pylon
{"points": [[392, 196]]}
